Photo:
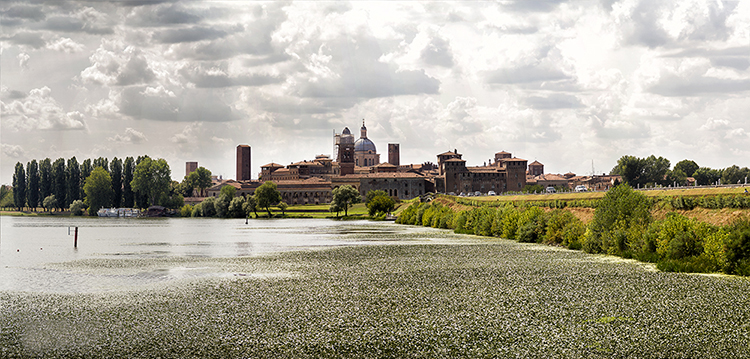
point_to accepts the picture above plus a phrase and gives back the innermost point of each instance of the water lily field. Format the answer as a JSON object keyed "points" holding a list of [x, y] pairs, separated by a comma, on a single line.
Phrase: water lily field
{"points": [[364, 289]]}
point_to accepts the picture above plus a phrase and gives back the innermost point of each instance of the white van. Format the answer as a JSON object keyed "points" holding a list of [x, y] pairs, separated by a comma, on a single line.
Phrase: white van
{"points": [[551, 189]]}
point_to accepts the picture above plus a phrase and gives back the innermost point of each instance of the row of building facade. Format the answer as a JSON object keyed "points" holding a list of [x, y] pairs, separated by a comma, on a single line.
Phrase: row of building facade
{"points": [[357, 164]]}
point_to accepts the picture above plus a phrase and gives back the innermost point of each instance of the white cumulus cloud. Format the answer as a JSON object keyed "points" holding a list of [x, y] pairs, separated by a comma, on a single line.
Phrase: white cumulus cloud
{"points": [[12, 151], [130, 136], [65, 44], [40, 111]]}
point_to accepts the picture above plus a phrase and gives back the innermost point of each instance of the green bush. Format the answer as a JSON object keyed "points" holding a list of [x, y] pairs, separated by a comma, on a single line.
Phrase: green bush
{"points": [[572, 234], [531, 225], [483, 218], [420, 212], [460, 222], [446, 218], [620, 217], [197, 211], [681, 237], [186, 211], [408, 215], [558, 220], [510, 223], [208, 207], [77, 207], [236, 208], [683, 203], [427, 213], [738, 248]]}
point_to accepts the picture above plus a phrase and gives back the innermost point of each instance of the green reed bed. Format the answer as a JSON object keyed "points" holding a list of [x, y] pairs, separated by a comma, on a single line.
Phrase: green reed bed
{"points": [[461, 296]]}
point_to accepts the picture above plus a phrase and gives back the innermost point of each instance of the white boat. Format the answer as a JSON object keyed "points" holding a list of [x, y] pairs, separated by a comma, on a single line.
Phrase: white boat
{"points": [[118, 212]]}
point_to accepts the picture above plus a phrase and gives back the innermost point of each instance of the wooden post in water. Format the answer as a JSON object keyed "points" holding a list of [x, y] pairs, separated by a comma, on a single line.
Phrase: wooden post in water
{"points": [[75, 240]]}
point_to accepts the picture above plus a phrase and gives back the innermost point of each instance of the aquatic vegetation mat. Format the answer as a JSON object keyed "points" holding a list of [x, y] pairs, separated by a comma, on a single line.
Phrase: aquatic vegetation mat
{"points": [[494, 298]]}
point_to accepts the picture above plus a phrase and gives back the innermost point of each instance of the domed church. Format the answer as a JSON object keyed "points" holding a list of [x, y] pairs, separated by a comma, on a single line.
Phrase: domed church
{"points": [[365, 154]]}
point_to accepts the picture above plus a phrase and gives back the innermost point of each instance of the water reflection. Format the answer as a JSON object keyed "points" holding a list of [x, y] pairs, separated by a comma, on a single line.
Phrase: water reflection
{"points": [[37, 253]]}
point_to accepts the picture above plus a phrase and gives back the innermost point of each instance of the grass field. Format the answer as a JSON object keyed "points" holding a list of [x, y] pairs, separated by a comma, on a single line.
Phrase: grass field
{"points": [[460, 298]]}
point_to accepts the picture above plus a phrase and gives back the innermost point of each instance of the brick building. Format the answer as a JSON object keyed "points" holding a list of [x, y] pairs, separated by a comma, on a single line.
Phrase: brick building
{"points": [[243, 163]]}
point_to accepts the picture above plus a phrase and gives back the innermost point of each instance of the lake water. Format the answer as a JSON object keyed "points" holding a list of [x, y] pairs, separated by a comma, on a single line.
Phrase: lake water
{"points": [[37, 254]]}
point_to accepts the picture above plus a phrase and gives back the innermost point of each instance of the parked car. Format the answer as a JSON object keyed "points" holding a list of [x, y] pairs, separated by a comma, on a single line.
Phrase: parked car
{"points": [[491, 193], [581, 188], [477, 193], [550, 190]]}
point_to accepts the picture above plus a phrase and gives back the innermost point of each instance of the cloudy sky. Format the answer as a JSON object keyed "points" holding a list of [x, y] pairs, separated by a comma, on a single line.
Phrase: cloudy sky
{"points": [[567, 83]]}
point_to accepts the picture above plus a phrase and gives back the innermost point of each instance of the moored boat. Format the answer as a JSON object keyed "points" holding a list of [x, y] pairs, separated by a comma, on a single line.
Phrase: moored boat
{"points": [[119, 212]]}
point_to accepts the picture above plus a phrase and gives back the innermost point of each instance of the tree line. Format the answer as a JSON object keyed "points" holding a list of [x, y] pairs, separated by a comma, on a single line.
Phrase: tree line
{"points": [[133, 182], [651, 171], [622, 226], [229, 205]]}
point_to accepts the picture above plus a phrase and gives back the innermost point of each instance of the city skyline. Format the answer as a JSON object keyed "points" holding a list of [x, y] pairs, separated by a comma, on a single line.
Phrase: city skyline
{"points": [[564, 83]]}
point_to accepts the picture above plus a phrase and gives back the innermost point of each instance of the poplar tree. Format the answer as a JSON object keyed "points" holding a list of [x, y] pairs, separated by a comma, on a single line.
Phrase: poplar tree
{"points": [[86, 169], [140, 198], [19, 186], [73, 178], [101, 162], [45, 178], [127, 176], [116, 174], [59, 183], [32, 180]]}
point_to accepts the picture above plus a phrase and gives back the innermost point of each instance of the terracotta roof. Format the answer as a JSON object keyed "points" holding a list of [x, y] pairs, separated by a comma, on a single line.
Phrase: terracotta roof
{"points": [[455, 160], [503, 153], [535, 163], [447, 153], [385, 164], [272, 164], [307, 163], [512, 159], [550, 177]]}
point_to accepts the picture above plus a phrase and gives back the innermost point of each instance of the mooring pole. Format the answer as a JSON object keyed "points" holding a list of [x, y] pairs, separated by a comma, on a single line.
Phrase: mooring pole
{"points": [[75, 240]]}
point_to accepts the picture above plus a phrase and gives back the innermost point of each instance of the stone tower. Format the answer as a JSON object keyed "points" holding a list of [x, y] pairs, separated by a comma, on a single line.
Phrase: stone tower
{"points": [[345, 152], [190, 167], [394, 154], [243, 163]]}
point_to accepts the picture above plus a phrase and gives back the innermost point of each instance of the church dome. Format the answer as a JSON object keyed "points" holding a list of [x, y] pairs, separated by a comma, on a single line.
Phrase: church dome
{"points": [[364, 145]]}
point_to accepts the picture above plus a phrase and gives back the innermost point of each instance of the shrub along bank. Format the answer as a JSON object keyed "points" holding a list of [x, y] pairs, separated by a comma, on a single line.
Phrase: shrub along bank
{"points": [[622, 226]]}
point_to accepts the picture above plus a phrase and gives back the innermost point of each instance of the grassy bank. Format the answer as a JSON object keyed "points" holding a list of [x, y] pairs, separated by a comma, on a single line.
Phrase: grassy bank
{"points": [[487, 298], [625, 223]]}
